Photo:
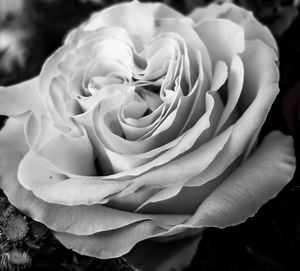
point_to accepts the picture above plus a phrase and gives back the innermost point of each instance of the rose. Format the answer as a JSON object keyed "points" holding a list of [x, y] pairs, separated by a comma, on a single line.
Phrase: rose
{"points": [[144, 125]]}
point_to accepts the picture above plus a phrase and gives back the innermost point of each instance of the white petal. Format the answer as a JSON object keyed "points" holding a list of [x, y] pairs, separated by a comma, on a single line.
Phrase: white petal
{"points": [[256, 181], [20, 98], [139, 19], [234, 89], [252, 28], [223, 38]]}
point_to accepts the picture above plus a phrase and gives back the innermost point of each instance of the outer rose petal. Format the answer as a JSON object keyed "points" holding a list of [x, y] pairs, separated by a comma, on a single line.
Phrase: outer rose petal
{"points": [[98, 189], [72, 219], [259, 92], [255, 182], [139, 19], [20, 98], [253, 29], [223, 38], [237, 198]]}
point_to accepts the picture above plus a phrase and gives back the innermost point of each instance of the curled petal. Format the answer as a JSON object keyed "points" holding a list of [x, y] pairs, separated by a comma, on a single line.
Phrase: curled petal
{"points": [[233, 201], [139, 19], [99, 190], [235, 86], [259, 92], [252, 28], [215, 32], [13, 146], [50, 70], [65, 154], [20, 98], [109, 244], [256, 181], [81, 219]]}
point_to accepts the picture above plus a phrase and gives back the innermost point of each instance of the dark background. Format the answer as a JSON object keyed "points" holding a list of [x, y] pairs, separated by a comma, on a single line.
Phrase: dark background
{"points": [[268, 241]]}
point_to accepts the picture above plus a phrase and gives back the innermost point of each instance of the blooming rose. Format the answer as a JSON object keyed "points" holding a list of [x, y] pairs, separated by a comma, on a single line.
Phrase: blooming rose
{"points": [[144, 125]]}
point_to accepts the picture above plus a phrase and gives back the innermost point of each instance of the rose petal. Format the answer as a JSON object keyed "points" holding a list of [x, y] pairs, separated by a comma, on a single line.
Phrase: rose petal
{"points": [[235, 85], [187, 140], [12, 144], [33, 173], [259, 92], [252, 28], [74, 219], [20, 98], [109, 244], [50, 70], [161, 195], [137, 160], [171, 174], [57, 105], [193, 41], [71, 155], [68, 155], [82, 219], [63, 153], [174, 201], [139, 19], [256, 181], [97, 189], [39, 131], [216, 210], [216, 32]]}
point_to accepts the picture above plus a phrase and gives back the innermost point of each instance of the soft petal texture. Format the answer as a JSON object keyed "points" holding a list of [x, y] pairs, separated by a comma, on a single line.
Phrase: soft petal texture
{"points": [[259, 92], [237, 198], [114, 243], [97, 189], [20, 98], [141, 131], [223, 38], [252, 28], [74, 219], [50, 71], [235, 85], [138, 19], [256, 181]]}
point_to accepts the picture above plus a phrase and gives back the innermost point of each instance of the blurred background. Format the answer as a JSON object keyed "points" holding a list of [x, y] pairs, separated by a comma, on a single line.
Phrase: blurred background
{"points": [[30, 30]]}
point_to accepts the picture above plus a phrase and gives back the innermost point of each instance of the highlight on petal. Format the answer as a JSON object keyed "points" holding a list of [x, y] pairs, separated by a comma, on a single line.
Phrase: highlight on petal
{"points": [[168, 110], [98, 189], [81, 219], [235, 86], [50, 70], [139, 19], [223, 38], [109, 244], [20, 98], [96, 222], [257, 180], [242, 17], [259, 91], [13, 146]]}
